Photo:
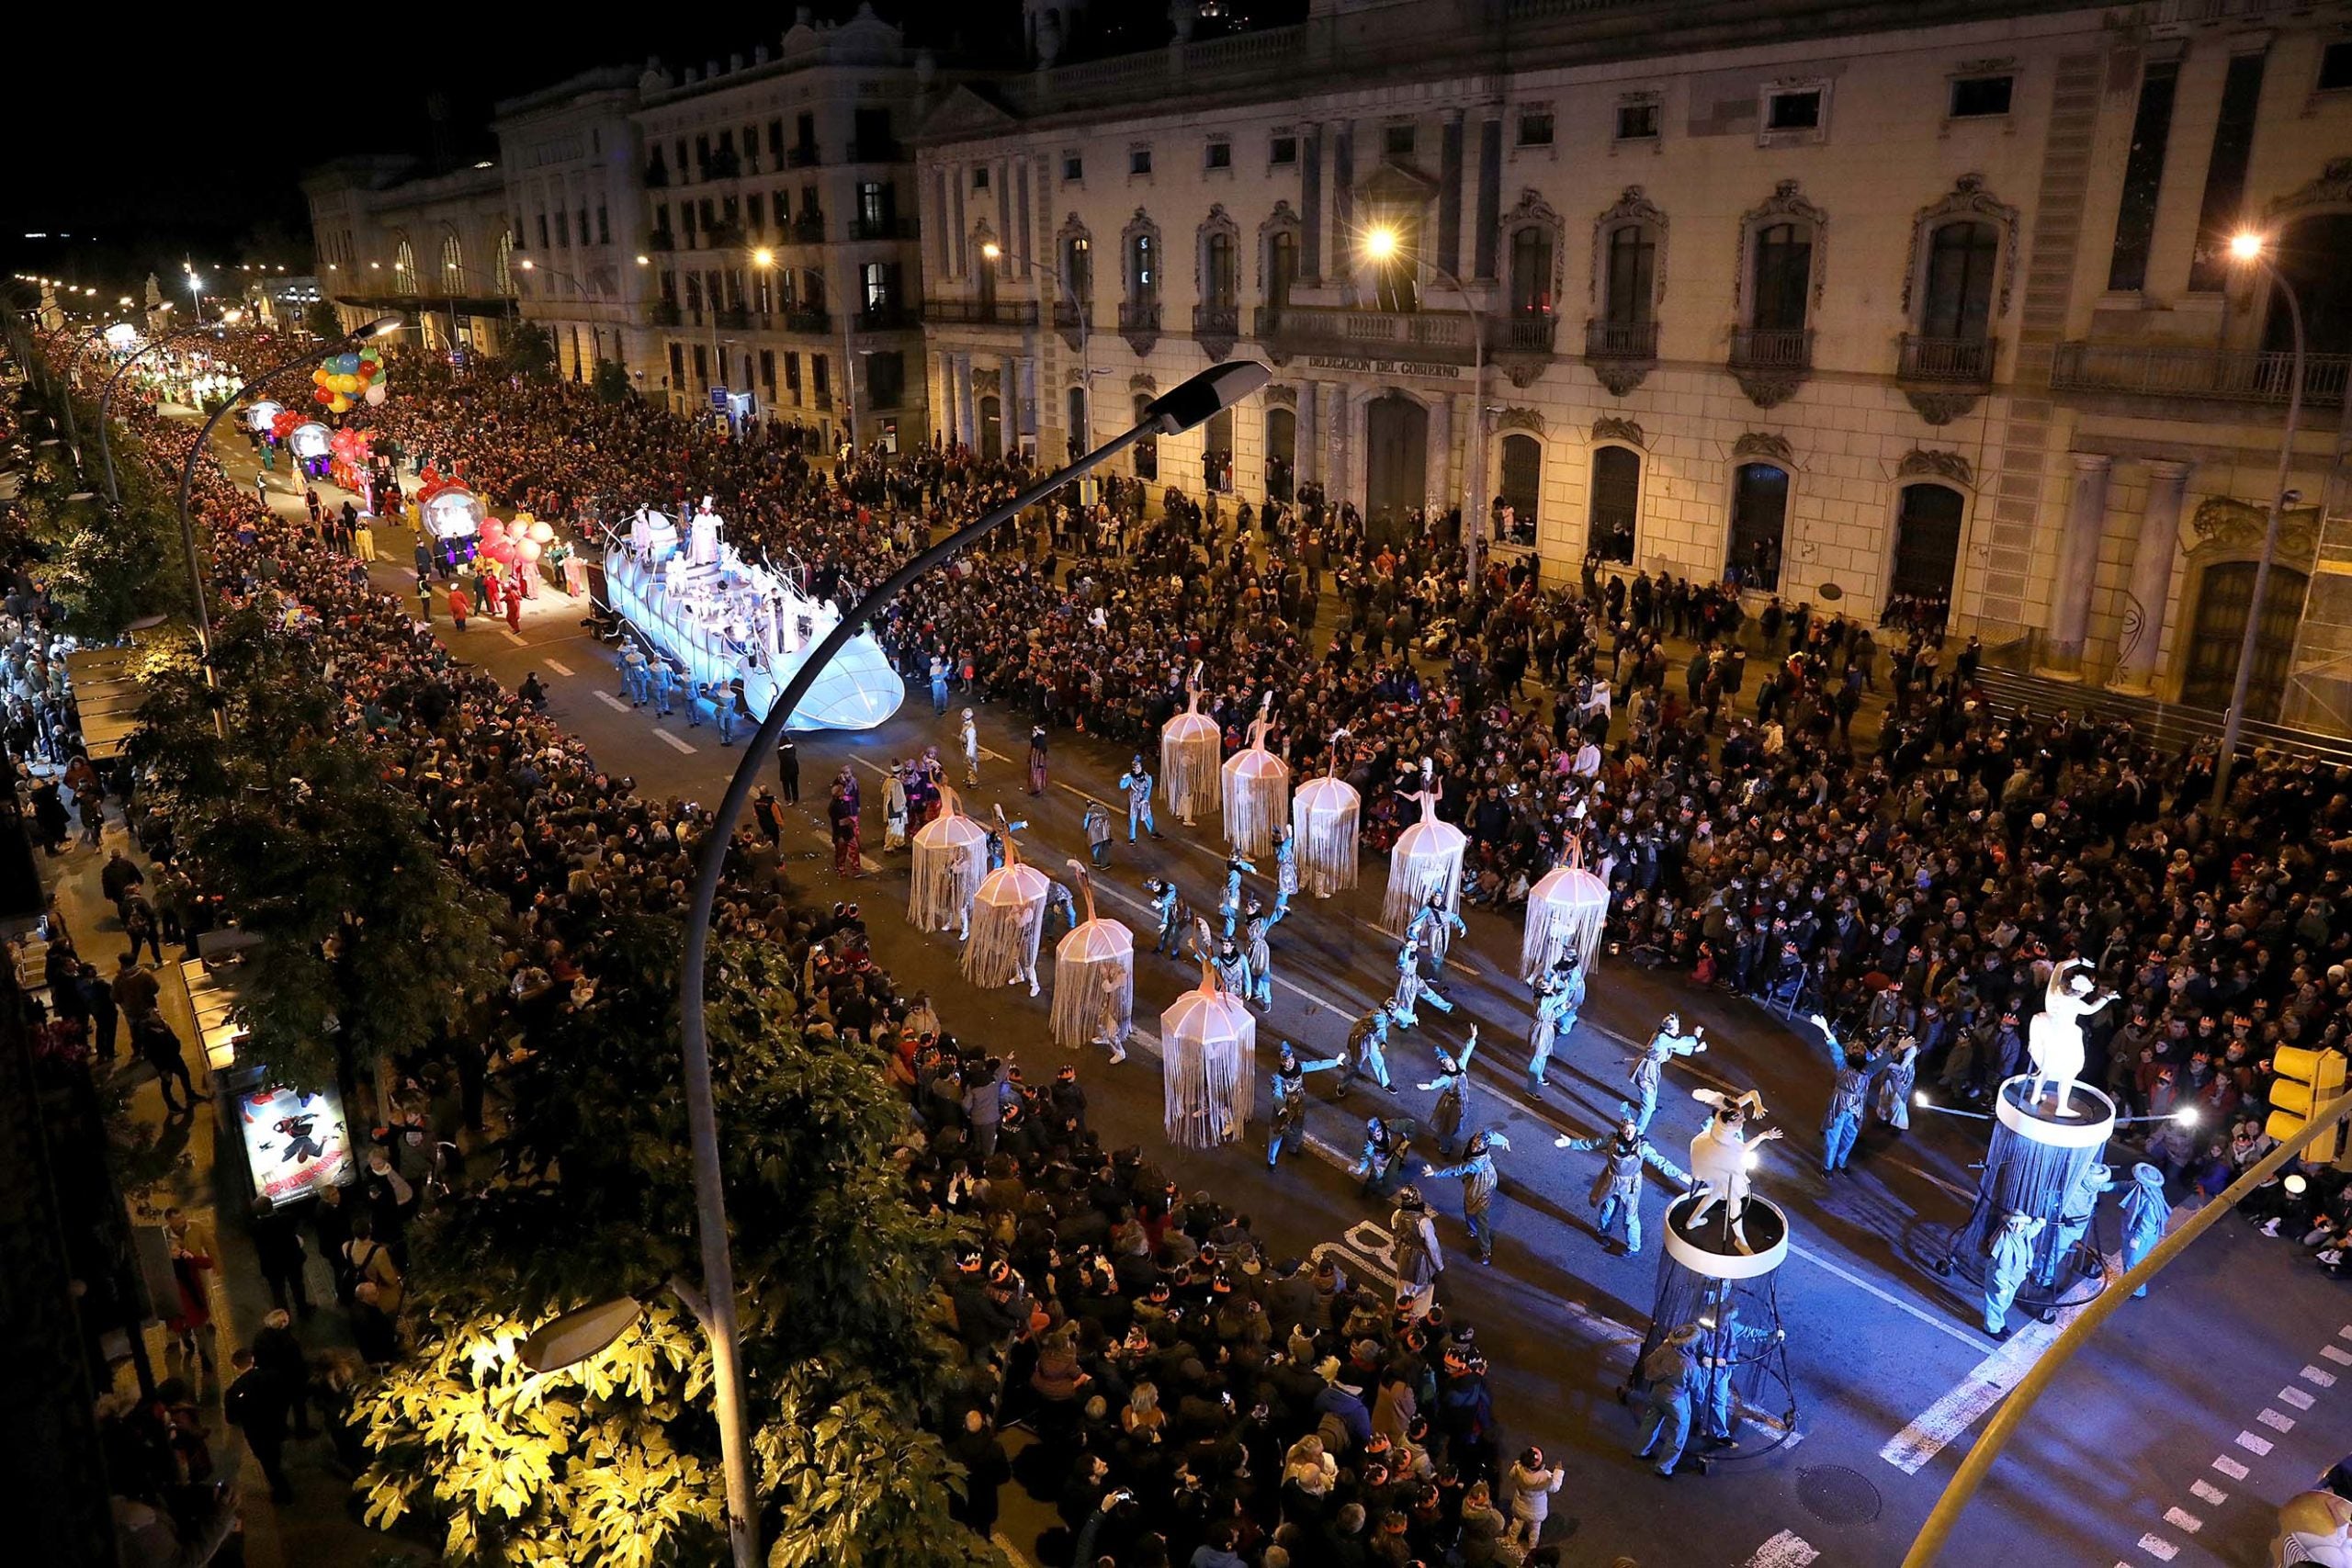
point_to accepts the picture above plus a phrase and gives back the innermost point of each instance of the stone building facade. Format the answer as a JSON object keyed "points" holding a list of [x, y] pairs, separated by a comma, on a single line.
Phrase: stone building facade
{"points": [[1930, 304], [435, 248]]}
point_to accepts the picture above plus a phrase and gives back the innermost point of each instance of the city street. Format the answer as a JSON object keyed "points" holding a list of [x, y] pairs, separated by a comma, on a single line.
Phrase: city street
{"points": [[2171, 1440]]}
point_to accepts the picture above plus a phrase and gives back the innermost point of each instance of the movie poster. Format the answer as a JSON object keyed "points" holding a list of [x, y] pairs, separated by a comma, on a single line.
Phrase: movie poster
{"points": [[292, 1141]]}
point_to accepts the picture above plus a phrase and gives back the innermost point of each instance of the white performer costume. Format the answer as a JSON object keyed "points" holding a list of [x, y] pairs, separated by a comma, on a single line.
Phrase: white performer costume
{"points": [[2055, 1037], [2314, 1531], [1719, 1158]]}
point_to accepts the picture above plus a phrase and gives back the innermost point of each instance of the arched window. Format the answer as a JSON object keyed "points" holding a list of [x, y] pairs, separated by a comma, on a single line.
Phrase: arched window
{"points": [[1760, 515], [1221, 273], [1616, 505], [1957, 303], [404, 277], [1632, 275], [1531, 271], [1282, 267], [1782, 285], [453, 265], [1078, 268], [1217, 452], [1147, 451], [1080, 438], [1522, 487], [504, 272], [1143, 268], [1282, 452]]}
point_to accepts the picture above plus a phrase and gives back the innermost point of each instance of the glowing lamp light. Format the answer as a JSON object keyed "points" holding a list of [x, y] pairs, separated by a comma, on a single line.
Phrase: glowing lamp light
{"points": [[122, 334], [645, 261], [2246, 247], [1919, 1098], [991, 250], [529, 266], [1380, 244], [762, 257], [2185, 1117], [1750, 1160], [2295, 1186]]}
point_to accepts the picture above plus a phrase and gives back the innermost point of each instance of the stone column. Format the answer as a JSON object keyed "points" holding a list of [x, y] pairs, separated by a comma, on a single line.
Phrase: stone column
{"points": [[966, 408], [1437, 481], [1335, 441], [2070, 595], [2159, 541], [1307, 447]]}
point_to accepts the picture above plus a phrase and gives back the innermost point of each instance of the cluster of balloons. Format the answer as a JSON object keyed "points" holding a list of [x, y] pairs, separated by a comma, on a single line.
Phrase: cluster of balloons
{"points": [[350, 448], [285, 422], [343, 378], [518, 543]]}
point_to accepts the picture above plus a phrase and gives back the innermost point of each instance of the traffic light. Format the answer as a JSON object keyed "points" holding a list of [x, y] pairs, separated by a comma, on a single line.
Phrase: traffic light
{"points": [[2305, 1081]]}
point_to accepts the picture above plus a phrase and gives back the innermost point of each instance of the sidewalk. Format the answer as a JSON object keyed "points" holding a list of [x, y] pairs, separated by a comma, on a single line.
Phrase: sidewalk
{"points": [[319, 1525]]}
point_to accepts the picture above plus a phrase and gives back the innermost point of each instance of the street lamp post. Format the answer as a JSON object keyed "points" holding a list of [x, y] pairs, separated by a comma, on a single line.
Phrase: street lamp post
{"points": [[2249, 249], [1382, 245], [1078, 438], [1219, 387], [380, 327]]}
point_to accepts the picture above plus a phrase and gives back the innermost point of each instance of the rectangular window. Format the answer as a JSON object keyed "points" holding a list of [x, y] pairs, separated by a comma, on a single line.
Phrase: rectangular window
{"points": [[1793, 111], [702, 365], [543, 230], [820, 376], [677, 364], [886, 378], [2143, 176], [2335, 67], [980, 177], [604, 225], [783, 204], [582, 230], [767, 370], [2223, 208], [1981, 97], [792, 373], [1396, 141], [1220, 155], [776, 140], [1636, 122], [702, 156], [752, 204], [1282, 152], [1139, 161], [804, 135], [1536, 128], [1073, 169]]}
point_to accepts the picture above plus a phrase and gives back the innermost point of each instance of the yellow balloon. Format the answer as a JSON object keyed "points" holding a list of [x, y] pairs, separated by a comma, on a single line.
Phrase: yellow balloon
{"points": [[341, 404]]}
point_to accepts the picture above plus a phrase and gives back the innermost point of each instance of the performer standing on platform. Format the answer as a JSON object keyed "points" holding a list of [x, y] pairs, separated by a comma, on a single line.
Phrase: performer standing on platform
{"points": [[1617, 1190], [1649, 1067]]}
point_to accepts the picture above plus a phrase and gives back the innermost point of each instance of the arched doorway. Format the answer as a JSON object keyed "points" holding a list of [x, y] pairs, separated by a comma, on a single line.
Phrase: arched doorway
{"points": [[1146, 452], [1522, 486], [992, 429], [1281, 453], [1759, 517], [1927, 541], [2224, 593], [1616, 504], [1080, 438], [1216, 452], [1396, 454]]}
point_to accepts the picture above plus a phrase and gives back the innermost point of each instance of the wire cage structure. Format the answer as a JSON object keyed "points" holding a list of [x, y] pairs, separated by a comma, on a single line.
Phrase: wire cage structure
{"points": [[2041, 1166], [1732, 1296]]}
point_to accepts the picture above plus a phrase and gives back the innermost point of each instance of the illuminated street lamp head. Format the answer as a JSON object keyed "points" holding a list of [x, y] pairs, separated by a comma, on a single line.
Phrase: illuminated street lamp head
{"points": [[124, 300], [527, 264], [645, 261], [1380, 243], [764, 257], [383, 326], [991, 250], [231, 318], [2246, 247]]}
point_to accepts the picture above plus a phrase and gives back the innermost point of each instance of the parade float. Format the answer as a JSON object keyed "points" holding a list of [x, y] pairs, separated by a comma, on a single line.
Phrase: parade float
{"points": [[723, 618]]}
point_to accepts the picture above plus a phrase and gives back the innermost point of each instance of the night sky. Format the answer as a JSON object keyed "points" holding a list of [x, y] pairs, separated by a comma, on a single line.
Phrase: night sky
{"points": [[190, 139]]}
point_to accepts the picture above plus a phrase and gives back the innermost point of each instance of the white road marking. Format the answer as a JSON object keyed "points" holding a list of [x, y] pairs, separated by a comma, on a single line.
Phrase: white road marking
{"points": [[2345, 1332], [2183, 1520], [513, 636], [2257, 1447], [2158, 1547], [2337, 1354], [612, 702], [2207, 1493], [1930, 1177], [558, 666], [2230, 1467], [2297, 1398], [1930, 1319], [1786, 1550], [2318, 1379], [675, 743], [2275, 1422]]}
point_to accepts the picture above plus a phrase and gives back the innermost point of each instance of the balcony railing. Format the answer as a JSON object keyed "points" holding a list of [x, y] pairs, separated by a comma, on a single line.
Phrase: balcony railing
{"points": [[888, 150], [1429, 335], [1964, 360], [808, 229], [1065, 312], [883, 318], [665, 313], [808, 319], [1620, 340], [734, 319], [804, 157], [1528, 331], [1216, 320], [1771, 348], [2226, 375], [982, 312], [1139, 315], [881, 229]]}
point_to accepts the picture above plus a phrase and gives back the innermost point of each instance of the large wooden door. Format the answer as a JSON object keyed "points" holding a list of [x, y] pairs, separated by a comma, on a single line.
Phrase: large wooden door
{"points": [[1396, 451], [2224, 593], [1927, 541]]}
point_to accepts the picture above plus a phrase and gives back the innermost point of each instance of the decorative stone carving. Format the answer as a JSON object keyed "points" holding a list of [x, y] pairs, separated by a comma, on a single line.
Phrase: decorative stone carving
{"points": [[1932, 464], [2227, 526], [1143, 381], [1609, 427], [986, 383], [1620, 376], [1516, 418], [1941, 406], [2332, 188], [1632, 206], [1764, 444], [1785, 205], [1286, 395], [1968, 202], [1524, 367], [1768, 389]]}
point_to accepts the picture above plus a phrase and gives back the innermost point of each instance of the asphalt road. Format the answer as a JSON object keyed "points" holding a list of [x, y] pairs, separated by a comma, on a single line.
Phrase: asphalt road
{"points": [[2170, 1440]]}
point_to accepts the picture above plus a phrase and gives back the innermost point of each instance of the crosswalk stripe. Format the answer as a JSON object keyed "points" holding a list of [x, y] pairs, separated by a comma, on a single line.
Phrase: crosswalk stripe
{"points": [[675, 743], [612, 702], [558, 666]]}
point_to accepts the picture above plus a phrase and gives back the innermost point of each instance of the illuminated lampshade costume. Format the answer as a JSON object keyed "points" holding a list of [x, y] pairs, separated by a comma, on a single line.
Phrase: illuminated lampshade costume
{"points": [[951, 857], [1007, 915], [1094, 975], [1566, 911], [1209, 1041], [1257, 789], [1188, 748], [1323, 819], [1426, 859]]}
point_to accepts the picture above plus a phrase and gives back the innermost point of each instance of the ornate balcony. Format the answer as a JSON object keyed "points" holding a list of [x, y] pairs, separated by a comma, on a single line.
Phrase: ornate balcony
{"points": [[1217, 328], [1621, 355], [1443, 336], [881, 229], [1944, 377], [1139, 323], [2192, 374], [1771, 363], [982, 312], [808, 319], [1523, 344]]}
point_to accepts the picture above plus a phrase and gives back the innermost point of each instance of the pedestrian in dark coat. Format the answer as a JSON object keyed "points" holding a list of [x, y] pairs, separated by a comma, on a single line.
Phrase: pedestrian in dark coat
{"points": [[255, 1404]]}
